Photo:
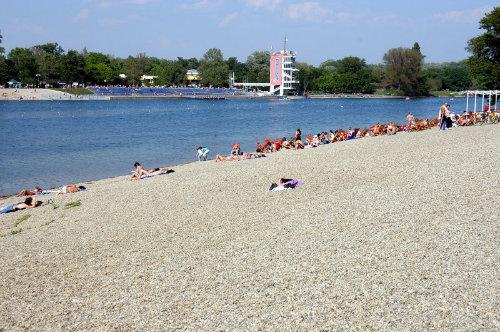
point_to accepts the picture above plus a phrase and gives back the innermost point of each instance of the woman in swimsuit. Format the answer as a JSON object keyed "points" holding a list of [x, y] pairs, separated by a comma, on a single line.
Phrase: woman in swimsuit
{"points": [[27, 204], [140, 172]]}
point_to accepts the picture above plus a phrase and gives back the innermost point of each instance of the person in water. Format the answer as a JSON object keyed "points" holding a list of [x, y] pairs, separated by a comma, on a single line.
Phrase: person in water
{"points": [[140, 172], [27, 204]]}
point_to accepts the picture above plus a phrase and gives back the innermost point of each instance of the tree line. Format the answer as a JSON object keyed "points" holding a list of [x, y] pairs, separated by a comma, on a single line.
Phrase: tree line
{"points": [[403, 71]]}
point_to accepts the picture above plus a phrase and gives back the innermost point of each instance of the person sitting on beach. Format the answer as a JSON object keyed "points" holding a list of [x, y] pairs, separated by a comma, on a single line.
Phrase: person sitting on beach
{"points": [[276, 145], [140, 172], [324, 138], [285, 184], [286, 144], [260, 147], [331, 136], [235, 150], [202, 153], [298, 144], [340, 135], [392, 128], [27, 204], [298, 135], [411, 121], [363, 133], [267, 145], [315, 141]]}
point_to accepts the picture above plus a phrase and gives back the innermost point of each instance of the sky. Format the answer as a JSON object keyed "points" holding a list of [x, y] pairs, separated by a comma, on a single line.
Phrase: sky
{"points": [[316, 30]]}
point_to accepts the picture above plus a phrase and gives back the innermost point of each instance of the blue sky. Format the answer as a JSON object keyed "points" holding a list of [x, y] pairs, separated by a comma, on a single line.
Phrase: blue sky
{"points": [[317, 30]]}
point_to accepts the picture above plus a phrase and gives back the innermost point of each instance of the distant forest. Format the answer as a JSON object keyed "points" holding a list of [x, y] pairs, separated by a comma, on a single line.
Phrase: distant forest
{"points": [[403, 71]]}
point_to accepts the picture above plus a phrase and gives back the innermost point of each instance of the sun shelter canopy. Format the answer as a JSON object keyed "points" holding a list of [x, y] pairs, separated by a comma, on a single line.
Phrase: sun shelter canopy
{"points": [[488, 94]]}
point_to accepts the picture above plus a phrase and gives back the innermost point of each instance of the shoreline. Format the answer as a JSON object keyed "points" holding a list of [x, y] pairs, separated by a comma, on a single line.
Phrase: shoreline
{"points": [[56, 95]]}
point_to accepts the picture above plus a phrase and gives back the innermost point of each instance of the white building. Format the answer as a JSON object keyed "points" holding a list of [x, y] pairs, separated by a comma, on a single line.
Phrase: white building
{"points": [[283, 73]]}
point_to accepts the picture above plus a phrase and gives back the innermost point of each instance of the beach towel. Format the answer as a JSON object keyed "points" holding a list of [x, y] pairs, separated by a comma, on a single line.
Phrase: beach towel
{"points": [[7, 209]]}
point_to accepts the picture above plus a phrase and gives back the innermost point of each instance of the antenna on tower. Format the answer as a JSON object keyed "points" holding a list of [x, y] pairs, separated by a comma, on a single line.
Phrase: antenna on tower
{"points": [[284, 43]]}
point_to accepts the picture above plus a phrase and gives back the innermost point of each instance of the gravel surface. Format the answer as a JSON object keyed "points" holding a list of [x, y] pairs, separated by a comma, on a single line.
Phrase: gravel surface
{"points": [[396, 233]]}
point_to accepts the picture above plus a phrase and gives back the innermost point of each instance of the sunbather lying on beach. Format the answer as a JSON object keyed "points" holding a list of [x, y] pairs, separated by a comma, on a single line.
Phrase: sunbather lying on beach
{"points": [[27, 204], [69, 188], [140, 172], [285, 184], [27, 192]]}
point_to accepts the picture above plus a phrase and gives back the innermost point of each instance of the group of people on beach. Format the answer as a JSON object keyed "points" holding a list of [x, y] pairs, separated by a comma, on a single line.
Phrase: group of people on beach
{"points": [[29, 202], [448, 119], [445, 119]]}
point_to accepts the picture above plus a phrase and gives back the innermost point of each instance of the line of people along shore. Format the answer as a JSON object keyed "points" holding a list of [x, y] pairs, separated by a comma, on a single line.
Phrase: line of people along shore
{"points": [[446, 120]]}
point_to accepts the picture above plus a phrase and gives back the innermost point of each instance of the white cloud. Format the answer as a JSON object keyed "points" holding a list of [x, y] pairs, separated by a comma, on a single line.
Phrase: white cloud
{"points": [[309, 10], [464, 16], [264, 4], [197, 5], [228, 19]]}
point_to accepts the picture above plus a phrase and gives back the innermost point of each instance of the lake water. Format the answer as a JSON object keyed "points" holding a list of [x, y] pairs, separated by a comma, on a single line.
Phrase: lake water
{"points": [[48, 144]]}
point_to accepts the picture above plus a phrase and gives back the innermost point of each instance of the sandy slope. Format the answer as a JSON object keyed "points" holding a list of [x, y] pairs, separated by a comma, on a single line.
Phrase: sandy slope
{"points": [[34, 94], [388, 233]]}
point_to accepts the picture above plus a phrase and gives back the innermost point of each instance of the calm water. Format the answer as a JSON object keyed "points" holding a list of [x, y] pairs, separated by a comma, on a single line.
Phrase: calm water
{"points": [[49, 144]]}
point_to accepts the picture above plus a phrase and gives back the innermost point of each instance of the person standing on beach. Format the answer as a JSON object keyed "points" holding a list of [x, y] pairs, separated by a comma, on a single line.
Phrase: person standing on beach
{"points": [[411, 120], [442, 116]]}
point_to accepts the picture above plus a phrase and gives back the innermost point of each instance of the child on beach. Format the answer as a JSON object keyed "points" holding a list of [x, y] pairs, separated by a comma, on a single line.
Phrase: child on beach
{"points": [[202, 153]]}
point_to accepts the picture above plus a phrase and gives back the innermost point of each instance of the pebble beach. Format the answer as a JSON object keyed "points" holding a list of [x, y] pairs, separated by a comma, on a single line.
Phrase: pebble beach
{"points": [[393, 233]]}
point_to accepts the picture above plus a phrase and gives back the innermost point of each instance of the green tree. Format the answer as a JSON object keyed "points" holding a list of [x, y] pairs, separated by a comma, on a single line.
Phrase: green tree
{"points": [[307, 75], [485, 60], [328, 82], [453, 76], [404, 71], [348, 75], [239, 69], [47, 57], [98, 68], [135, 67], [169, 73], [73, 67], [258, 66], [213, 70], [2, 50], [6, 72], [329, 65], [24, 64], [191, 63]]}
